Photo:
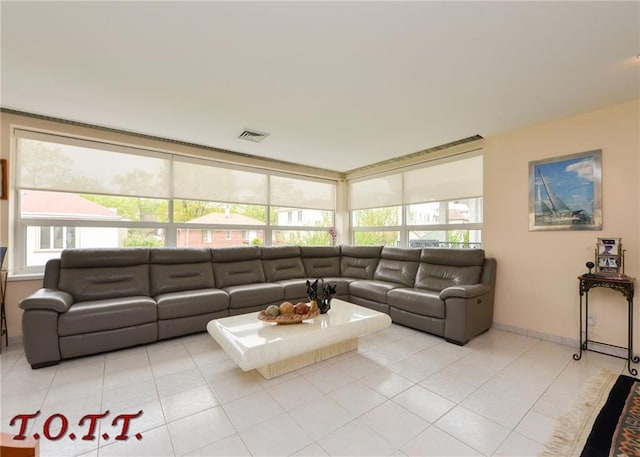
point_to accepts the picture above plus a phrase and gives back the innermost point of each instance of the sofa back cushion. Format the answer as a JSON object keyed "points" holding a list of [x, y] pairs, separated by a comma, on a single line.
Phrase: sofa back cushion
{"points": [[445, 267], [398, 265], [177, 269], [321, 261], [359, 261], [438, 277], [454, 257], [282, 262], [97, 274], [237, 266]]}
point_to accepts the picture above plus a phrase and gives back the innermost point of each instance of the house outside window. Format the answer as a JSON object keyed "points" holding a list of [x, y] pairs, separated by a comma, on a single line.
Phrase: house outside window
{"points": [[57, 238]]}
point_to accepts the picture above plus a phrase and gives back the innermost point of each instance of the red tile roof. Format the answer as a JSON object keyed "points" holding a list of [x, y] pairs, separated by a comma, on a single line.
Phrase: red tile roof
{"points": [[61, 203]]}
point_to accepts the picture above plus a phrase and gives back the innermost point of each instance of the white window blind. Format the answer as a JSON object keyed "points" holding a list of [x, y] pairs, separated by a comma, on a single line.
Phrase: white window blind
{"points": [[300, 193], [448, 180], [198, 180], [377, 192], [47, 162]]}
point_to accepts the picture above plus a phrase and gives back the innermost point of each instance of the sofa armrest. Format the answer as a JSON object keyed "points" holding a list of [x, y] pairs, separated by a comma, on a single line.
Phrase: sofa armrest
{"points": [[48, 299], [468, 291], [469, 311]]}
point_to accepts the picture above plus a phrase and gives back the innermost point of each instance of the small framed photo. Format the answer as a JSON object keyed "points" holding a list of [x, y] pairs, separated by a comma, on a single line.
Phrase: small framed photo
{"points": [[609, 257], [608, 246], [608, 264]]}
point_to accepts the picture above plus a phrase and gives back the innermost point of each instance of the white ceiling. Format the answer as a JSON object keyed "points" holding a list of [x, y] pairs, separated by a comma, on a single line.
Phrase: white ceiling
{"points": [[338, 85]]}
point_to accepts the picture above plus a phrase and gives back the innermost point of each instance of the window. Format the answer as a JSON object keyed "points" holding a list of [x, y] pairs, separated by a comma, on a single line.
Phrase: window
{"points": [[302, 211], [86, 194], [377, 238], [81, 193], [368, 223], [301, 238], [436, 205], [454, 218], [57, 238]]}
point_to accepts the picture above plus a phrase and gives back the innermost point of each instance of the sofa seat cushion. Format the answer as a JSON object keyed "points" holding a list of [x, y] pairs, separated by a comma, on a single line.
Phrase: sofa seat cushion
{"points": [[372, 290], [101, 315], [191, 303], [417, 301], [249, 295]]}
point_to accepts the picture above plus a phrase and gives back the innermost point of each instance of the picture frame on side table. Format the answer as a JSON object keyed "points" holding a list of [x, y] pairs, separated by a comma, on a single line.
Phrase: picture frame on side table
{"points": [[609, 246], [565, 193], [609, 257]]}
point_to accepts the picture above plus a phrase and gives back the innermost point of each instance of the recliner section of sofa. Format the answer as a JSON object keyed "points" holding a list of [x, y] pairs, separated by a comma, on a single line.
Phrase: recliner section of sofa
{"points": [[452, 296], [324, 262], [183, 285], [396, 268], [101, 302], [96, 300], [283, 265], [112, 306], [239, 272]]}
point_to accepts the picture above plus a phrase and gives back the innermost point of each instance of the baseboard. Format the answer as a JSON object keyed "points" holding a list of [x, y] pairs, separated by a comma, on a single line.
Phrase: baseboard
{"points": [[571, 342], [14, 340]]}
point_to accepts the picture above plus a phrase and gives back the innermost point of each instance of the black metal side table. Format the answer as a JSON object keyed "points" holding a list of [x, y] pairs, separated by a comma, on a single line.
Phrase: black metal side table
{"points": [[624, 285]]}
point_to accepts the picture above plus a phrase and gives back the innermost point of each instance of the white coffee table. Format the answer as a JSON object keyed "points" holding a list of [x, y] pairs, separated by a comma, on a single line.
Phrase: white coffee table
{"points": [[275, 349]]}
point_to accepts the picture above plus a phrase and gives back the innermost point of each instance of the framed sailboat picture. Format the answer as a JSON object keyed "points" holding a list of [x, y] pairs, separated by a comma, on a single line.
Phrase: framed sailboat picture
{"points": [[565, 193]]}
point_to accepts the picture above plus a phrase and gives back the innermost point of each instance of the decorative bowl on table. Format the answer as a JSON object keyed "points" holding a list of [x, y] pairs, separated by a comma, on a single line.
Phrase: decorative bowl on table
{"points": [[288, 313], [287, 318]]}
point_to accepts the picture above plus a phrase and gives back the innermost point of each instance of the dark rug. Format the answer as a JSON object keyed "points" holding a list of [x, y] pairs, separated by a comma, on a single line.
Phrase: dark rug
{"points": [[616, 430], [604, 420]]}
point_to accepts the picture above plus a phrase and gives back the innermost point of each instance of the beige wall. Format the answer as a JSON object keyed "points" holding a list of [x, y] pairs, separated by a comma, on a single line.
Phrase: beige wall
{"points": [[537, 287]]}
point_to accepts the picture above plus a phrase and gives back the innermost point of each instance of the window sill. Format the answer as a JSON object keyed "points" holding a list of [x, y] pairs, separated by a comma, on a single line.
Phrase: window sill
{"points": [[14, 277]]}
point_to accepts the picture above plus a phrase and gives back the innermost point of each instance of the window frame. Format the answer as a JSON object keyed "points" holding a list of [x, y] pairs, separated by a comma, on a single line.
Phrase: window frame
{"points": [[404, 203], [20, 223]]}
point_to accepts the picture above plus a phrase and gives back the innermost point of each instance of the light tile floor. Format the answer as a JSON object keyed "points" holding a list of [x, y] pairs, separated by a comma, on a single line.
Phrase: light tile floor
{"points": [[403, 392]]}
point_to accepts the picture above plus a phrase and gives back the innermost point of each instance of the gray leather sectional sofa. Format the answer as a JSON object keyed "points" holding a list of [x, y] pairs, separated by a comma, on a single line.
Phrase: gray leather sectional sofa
{"points": [[96, 300]]}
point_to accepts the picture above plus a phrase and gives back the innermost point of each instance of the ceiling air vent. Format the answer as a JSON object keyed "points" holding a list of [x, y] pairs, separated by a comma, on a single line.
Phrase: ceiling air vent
{"points": [[253, 135]]}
